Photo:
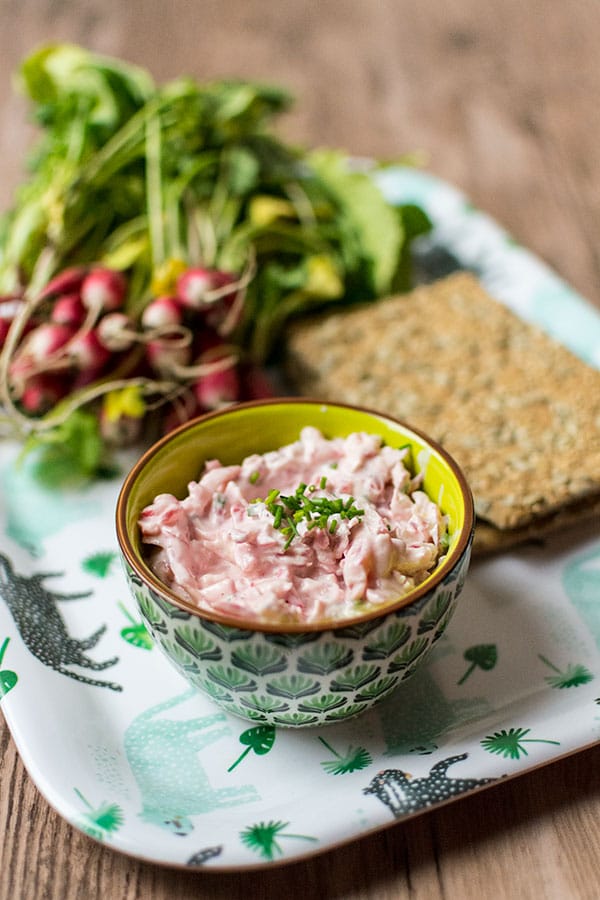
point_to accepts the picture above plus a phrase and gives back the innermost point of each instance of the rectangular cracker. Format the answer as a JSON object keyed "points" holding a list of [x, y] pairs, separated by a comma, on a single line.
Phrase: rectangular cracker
{"points": [[518, 411]]}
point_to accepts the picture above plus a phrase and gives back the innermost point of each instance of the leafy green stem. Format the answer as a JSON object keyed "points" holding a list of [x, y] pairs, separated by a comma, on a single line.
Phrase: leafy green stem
{"points": [[467, 673], [329, 747], [240, 758], [548, 663], [126, 613]]}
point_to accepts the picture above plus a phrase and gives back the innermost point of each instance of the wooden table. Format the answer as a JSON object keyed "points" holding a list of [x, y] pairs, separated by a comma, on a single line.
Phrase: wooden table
{"points": [[502, 99]]}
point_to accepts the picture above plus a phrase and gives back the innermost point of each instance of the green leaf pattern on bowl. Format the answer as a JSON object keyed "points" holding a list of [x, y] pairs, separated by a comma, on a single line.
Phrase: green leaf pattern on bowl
{"points": [[325, 658], [196, 641], [436, 611], [231, 678], [293, 686], [264, 704], [354, 677], [300, 679], [392, 638], [409, 656], [259, 659]]}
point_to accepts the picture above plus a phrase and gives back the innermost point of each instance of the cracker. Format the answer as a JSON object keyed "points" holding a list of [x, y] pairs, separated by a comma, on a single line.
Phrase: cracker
{"points": [[518, 411]]}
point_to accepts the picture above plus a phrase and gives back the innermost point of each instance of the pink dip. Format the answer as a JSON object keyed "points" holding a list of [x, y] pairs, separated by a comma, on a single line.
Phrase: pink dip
{"points": [[219, 548]]}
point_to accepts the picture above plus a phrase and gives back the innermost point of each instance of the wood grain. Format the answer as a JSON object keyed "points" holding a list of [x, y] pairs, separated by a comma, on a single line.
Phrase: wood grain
{"points": [[502, 100]]}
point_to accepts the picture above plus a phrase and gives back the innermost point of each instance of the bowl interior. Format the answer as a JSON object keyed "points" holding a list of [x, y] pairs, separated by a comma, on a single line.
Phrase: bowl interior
{"points": [[230, 435]]}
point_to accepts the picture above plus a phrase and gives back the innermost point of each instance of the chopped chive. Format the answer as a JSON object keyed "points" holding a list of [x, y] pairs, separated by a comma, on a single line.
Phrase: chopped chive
{"points": [[323, 483], [254, 477], [292, 509]]}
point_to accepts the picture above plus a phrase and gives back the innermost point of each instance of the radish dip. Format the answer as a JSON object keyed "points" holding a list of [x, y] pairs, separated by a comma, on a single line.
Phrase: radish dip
{"points": [[317, 530]]}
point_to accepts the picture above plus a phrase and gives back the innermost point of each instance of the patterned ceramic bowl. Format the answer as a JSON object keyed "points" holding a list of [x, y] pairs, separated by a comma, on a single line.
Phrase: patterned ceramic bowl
{"points": [[292, 675]]}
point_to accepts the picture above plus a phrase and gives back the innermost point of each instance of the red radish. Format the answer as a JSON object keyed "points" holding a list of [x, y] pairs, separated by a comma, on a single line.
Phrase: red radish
{"points": [[218, 388], [66, 282], [87, 353], [42, 392], [45, 340], [103, 289], [256, 384], [161, 312], [167, 351], [225, 313], [195, 284], [208, 341], [68, 310], [4, 329], [116, 332]]}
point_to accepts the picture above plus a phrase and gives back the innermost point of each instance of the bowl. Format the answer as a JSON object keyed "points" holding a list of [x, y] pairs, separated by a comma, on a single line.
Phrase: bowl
{"points": [[293, 674]]}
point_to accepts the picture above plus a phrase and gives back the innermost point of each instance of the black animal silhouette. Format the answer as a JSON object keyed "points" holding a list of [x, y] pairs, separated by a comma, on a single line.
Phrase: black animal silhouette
{"points": [[41, 626], [403, 795], [203, 856]]}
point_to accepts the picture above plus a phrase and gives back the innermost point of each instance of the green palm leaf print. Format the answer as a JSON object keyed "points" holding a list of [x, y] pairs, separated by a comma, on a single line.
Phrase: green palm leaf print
{"points": [[509, 744], [572, 676], [355, 759], [263, 838]]}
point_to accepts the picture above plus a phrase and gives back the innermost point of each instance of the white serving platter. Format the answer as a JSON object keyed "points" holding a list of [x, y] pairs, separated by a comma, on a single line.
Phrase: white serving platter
{"points": [[156, 771]]}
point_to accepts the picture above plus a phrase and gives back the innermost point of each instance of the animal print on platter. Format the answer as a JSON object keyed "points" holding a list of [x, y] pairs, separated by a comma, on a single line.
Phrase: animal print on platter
{"points": [[36, 613], [403, 794], [304, 679]]}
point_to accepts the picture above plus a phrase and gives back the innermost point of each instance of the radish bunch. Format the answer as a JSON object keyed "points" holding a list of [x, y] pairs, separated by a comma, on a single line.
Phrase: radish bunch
{"points": [[60, 349], [79, 334]]}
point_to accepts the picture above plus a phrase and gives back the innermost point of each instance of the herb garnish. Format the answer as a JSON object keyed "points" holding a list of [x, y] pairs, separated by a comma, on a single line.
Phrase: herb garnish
{"points": [[289, 510]]}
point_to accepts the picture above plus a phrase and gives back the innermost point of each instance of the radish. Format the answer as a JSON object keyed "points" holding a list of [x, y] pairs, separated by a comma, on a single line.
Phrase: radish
{"points": [[218, 389], [116, 332], [68, 310], [256, 384], [167, 351], [208, 341], [103, 289], [46, 340], [67, 282], [88, 354], [195, 286], [5, 324], [42, 392], [161, 312]]}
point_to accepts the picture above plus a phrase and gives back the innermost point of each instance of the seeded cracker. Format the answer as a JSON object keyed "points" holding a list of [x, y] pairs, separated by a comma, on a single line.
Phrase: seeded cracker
{"points": [[518, 411]]}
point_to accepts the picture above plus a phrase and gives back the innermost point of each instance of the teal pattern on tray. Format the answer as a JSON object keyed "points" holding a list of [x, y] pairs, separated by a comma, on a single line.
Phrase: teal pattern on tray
{"points": [[164, 756], [581, 581], [34, 513]]}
